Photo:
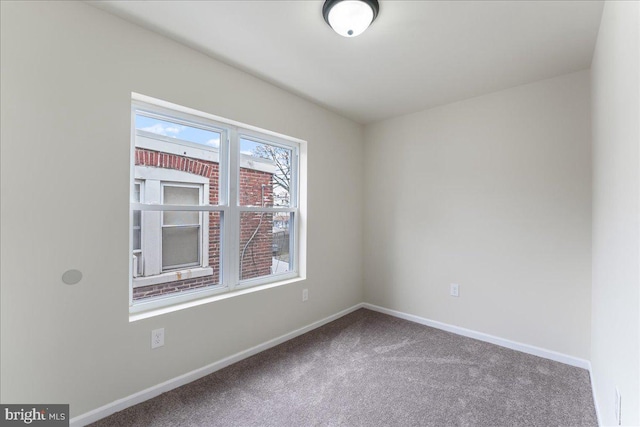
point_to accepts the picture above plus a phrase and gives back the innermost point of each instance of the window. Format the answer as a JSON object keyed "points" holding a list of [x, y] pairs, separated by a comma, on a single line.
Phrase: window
{"points": [[266, 206], [181, 231], [214, 206], [172, 240]]}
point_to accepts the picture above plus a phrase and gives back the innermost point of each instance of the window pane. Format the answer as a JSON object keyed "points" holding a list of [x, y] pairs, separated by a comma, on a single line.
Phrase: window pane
{"points": [[174, 160], [167, 128], [264, 244], [265, 174], [181, 218], [181, 195], [180, 247]]}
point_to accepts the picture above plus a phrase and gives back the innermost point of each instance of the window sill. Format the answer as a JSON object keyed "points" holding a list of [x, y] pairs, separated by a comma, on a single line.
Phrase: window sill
{"points": [[172, 276], [140, 315]]}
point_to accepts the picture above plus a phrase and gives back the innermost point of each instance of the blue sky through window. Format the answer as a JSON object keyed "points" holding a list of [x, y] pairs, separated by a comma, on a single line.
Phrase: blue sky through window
{"points": [[248, 146], [189, 133], [179, 131]]}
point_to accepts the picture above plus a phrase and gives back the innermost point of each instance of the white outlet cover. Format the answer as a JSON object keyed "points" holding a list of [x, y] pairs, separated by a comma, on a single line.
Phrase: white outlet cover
{"points": [[454, 290], [157, 338], [305, 294]]}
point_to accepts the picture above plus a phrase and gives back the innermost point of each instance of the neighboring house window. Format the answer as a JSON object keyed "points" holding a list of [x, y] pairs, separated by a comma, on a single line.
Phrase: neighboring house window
{"points": [[173, 241], [191, 235], [181, 231]]}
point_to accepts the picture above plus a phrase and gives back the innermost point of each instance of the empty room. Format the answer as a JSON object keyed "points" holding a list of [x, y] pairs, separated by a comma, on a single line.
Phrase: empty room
{"points": [[320, 213]]}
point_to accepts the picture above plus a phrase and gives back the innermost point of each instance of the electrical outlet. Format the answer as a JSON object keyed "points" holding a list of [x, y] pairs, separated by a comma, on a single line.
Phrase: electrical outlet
{"points": [[157, 338], [618, 407], [305, 294], [454, 290]]}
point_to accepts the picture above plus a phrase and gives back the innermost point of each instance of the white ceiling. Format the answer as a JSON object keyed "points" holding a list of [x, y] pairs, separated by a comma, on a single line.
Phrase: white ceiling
{"points": [[416, 55]]}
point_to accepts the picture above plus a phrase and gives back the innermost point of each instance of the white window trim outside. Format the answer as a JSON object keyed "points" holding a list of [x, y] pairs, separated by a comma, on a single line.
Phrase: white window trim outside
{"points": [[228, 208], [152, 226]]}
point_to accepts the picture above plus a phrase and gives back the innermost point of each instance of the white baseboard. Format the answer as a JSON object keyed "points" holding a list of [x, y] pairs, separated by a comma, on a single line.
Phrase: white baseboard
{"points": [[502, 342], [168, 385], [134, 399], [595, 395], [525, 348]]}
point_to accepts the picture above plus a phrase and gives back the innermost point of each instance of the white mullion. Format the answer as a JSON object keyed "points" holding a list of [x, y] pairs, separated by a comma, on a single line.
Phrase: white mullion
{"points": [[296, 241], [204, 227], [223, 170], [232, 220], [294, 226], [223, 200], [132, 184], [295, 181]]}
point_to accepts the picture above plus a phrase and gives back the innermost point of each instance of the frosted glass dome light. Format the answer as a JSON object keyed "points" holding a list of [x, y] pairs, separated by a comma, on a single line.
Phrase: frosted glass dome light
{"points": [[350, 18]]}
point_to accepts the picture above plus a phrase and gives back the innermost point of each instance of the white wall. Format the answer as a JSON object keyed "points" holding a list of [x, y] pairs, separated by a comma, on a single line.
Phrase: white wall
{"points": [[615, 337], [68, 70], [492, 193]]}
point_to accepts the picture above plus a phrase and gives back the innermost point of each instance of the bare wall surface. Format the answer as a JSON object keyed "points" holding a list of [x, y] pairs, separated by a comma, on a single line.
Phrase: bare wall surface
{"points": [[615, 337], [494, 194], [68, 71]]}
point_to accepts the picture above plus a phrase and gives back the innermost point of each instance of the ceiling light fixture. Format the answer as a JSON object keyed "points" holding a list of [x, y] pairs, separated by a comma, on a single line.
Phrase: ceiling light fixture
{"points": [[350, 18]]}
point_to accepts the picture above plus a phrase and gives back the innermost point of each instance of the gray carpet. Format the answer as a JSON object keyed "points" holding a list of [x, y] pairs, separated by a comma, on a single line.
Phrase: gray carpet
{"points": [[370, 369]]}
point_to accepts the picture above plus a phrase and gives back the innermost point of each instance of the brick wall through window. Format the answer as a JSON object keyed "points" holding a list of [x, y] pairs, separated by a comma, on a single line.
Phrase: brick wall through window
{"points": [[256, 229]]}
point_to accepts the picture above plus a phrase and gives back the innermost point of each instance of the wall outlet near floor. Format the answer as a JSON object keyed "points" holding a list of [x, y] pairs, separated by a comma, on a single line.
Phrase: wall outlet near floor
{"points": [[305, 294], [157, 338], [454, 290], [618, 408]]}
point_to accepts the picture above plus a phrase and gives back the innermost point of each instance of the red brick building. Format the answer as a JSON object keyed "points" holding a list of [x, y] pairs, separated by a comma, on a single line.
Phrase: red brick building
{"points": [[187, 172]]}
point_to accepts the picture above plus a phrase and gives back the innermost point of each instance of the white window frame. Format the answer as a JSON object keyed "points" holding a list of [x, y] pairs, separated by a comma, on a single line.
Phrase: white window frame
{"points": [[229, 159]]}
